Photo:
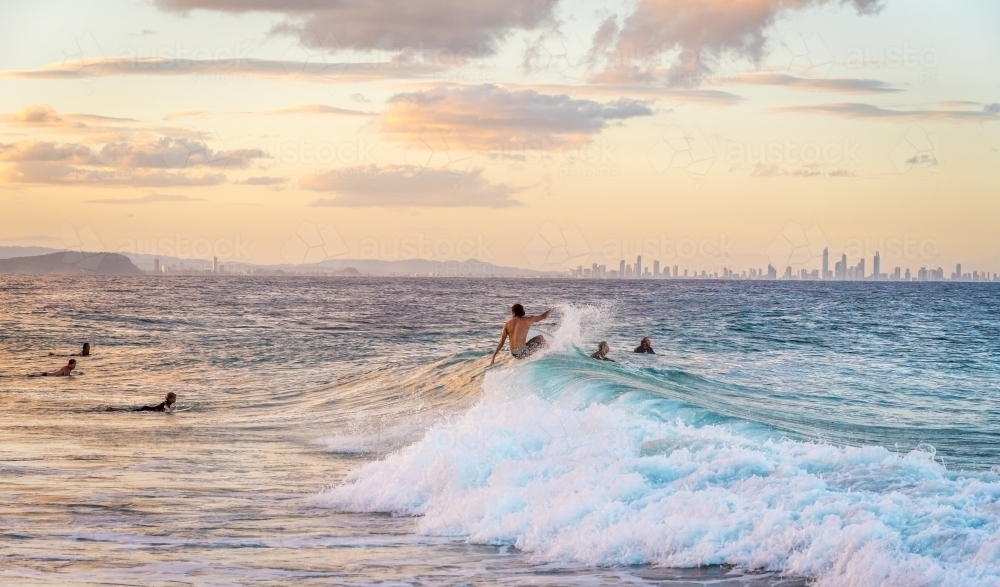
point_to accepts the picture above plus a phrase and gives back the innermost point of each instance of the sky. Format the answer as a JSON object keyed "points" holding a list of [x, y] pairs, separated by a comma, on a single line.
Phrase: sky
{"points": [[542, 134]]}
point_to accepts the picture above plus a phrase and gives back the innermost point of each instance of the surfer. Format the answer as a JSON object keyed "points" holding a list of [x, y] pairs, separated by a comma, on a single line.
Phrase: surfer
{"points": [[517, 329], [164, 406], [602, 352], [645, 346], [65, 371], [83, 353]]}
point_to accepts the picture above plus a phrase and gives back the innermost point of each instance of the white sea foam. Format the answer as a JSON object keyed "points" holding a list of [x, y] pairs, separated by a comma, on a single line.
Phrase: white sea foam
{"points": [[622, 478]]}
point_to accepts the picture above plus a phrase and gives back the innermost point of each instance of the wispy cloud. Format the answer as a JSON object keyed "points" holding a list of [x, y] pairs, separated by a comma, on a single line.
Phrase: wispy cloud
{"points": [[262, 180], [44, 173], [859, 110], [147, 199], [323, 71], [397, 186], [306, 109], [841, 85]]}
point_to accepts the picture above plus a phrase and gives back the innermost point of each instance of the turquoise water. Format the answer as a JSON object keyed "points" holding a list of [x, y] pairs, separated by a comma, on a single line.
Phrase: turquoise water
{"points": [[343, 431]]}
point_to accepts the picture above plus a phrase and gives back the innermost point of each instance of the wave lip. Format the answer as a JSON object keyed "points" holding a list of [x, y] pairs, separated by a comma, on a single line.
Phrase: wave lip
{"points": [[630, 479]]}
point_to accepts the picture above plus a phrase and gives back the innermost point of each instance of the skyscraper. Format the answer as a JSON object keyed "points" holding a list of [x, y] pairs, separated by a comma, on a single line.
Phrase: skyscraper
{"points": [[621, 268], [656, 268], [156, 265], [638, 266], [876, 267], [215, 264], [826, 263]]}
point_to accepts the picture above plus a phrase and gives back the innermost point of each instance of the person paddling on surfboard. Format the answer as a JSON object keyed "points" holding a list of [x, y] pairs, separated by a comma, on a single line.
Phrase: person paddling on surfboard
{"points": [[61, 372], [517, 329], [165, 406]]}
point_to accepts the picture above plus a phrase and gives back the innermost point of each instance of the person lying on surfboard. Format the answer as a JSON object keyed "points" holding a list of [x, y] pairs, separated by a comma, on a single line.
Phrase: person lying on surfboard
{"points": [[517, 329], [65, 371], [164, 406]]}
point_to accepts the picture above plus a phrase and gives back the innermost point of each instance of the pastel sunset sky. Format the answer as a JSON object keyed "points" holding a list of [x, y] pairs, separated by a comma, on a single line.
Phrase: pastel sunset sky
{"points": [[542, 134]]}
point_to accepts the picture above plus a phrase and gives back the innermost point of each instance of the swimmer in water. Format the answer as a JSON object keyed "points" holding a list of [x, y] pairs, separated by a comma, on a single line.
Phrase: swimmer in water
{"points": [[645, 346], [162, 407], [602, 352], [83, 353], [517, 329], [65, 371]]}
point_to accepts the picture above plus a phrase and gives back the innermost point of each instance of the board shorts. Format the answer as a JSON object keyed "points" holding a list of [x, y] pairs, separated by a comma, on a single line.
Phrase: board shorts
{"points": [[529, 348]]}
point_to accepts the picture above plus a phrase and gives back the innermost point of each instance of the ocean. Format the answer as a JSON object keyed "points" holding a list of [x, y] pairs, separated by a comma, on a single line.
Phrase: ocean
{"points": [[348, 431]]}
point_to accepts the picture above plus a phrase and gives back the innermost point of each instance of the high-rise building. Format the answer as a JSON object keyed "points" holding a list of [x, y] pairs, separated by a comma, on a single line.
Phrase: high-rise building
{"points": [[156, 265], [876, 267], [907, 276], [215, 264], [621, 268], [788, 272], [957, 275], [772, 273], [826, 263], [638, 266], [656, 268], [676, 274]]}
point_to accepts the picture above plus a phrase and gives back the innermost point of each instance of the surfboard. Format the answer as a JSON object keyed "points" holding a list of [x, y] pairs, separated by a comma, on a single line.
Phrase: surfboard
{"points": [[533, 332]]}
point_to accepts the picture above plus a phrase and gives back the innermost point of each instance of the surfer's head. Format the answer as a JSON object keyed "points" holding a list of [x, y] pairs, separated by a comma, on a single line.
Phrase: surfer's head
{"points": [[517, 310], [603, 349], [171, 398], [86, 350], [645, 343], [72, 363]]}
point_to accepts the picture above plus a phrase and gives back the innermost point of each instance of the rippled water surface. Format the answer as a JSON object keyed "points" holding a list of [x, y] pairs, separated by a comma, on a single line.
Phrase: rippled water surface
{"points": [[348, 431]]}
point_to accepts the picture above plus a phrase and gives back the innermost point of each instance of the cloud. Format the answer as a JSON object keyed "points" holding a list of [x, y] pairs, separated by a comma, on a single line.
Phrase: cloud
{"points": [[490, 117], [858, 110], [396, 186], [320, 69], [36, 115], [173, 153], [44, 151], [262, 180], [164, 153], [45, 173], [147, 199], [446, 27], [658, 30], [43, 115], [842, 85], [320, 109]]}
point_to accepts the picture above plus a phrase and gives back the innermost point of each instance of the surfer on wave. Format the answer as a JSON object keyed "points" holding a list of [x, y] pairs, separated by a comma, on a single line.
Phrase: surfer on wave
{"points": [[517, 329]]}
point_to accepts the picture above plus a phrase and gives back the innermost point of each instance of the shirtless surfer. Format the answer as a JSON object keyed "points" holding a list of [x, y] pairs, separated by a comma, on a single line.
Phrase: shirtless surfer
{"points": [[65, 371], [517, 329]]}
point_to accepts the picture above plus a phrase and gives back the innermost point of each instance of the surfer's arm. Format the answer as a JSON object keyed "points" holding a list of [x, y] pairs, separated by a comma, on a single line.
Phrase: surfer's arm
{"points": [[503, 339], [541, 316]]}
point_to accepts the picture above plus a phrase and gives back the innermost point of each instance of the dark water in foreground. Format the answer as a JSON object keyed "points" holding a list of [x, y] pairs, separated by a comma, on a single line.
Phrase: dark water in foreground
{"points": [[346, 431]]}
